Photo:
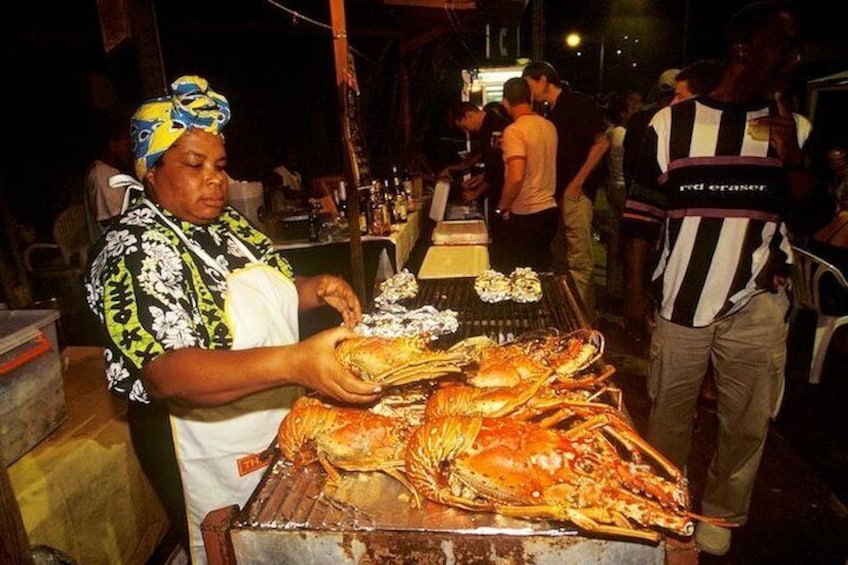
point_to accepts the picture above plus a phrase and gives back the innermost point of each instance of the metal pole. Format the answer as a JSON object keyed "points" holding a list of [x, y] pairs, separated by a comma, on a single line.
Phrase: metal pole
{"points": [[346, 82], [601, 66], [538, 30], [687, 14]]}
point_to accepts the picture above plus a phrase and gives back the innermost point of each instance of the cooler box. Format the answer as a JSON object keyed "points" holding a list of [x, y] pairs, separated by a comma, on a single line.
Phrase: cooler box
{"points": [[449, 261], [465, 232], [247, 198], [32, 393]]}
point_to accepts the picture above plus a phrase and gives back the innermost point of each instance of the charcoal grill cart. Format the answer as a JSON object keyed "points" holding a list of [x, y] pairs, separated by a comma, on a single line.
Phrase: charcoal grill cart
{"points": [[294, 517]]}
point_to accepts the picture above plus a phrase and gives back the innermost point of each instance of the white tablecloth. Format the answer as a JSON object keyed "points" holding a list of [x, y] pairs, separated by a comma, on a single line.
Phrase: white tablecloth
{"points": [[403, 239]]}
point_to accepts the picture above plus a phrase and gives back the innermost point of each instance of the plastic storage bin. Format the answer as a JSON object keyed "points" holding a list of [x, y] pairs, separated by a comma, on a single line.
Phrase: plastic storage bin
{"points": [[32, 393]]}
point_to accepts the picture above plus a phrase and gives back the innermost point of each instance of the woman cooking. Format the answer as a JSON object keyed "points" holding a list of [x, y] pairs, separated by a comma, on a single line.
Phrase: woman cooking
{"points": [[200, 313]]}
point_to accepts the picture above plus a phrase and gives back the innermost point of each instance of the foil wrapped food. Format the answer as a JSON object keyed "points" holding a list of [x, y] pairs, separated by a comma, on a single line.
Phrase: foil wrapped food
{"points": [[399, 287], [522, 285], [397, 321]]}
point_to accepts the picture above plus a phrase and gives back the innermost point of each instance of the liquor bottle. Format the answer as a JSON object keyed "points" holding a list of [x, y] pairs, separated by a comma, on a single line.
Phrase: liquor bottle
{"points": [[312, 220], [364, 193], [341, 201], [380, 221], [388, 198], [406, 181], [386, 209], [399, 196]]}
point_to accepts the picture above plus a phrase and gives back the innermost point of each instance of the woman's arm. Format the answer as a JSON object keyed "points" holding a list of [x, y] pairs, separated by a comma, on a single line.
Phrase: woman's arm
{"points": [[205, 378]]}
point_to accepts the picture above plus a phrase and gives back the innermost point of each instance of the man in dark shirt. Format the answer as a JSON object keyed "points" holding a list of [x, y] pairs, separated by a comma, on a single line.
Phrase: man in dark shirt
{"points": [[582, 144], [486, 126]]}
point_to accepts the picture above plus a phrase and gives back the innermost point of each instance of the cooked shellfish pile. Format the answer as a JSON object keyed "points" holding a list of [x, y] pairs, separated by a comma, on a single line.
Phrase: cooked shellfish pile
{"points": [[530, 429]]}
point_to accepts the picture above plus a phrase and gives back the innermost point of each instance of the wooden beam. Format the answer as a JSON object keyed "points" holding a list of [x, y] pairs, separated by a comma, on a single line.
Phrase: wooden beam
{"points": [[345, 83], [422, 39], [440, 4]]}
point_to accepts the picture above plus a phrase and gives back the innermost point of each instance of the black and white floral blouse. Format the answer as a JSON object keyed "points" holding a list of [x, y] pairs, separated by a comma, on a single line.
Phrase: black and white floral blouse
{"points": [[152, 294]]}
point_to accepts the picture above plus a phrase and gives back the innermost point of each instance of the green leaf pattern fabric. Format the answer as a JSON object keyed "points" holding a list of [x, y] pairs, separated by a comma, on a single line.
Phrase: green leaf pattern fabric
{"points": [[153, 294]]}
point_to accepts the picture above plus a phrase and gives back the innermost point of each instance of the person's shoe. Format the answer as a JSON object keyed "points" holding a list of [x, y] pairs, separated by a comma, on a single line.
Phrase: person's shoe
{"points": [[712, 539]]}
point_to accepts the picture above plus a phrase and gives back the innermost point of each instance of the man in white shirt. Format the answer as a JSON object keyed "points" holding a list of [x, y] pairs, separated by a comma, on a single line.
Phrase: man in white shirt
{"points": [[527, 207], [103, 202], [284, 191]]}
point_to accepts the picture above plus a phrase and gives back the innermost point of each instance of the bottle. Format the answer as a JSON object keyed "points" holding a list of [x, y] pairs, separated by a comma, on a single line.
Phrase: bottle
{"points": [[388, 199], [406, 181], [341, 201], [382, 214], [401, 209], [363, 193], [312, 220], [399, 196]]}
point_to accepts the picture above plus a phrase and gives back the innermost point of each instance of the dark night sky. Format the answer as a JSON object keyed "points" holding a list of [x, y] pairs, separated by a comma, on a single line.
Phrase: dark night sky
{"points": [[279, 74]]}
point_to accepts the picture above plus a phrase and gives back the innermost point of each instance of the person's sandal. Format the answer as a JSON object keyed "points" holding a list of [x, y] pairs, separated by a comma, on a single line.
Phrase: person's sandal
{"points": [[712, 539]]}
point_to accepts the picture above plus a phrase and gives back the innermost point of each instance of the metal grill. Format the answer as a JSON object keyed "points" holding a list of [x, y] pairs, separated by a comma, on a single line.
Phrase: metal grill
{"points": [[296, 516], [502, 321]]}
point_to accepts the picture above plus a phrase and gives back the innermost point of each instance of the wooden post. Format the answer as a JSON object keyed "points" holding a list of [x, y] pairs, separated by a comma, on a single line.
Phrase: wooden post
{"points": [[348, 92], [14, 544], [148, 49]]}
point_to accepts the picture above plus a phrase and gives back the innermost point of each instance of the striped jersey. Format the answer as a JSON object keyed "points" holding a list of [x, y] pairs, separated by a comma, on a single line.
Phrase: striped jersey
{"points": [[717, 189]]}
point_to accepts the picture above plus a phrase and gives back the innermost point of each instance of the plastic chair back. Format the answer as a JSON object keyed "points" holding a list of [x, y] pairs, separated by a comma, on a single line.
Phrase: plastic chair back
{"points": [[807, 272], [70, 233], [806, 275]]}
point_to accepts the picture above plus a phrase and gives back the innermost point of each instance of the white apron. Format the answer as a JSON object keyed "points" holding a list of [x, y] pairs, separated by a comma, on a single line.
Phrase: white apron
{"points": [[217, 448]]}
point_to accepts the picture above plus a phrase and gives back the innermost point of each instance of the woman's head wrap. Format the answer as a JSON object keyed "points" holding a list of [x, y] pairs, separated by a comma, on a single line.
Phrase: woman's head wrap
{"points": [[159, 122]]}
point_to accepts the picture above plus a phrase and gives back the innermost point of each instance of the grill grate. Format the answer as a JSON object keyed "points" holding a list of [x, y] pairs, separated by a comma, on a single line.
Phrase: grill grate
{"points": [[501, 321]]}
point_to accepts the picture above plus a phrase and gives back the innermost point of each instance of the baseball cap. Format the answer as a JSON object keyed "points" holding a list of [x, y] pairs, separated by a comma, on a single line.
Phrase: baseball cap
{"points": [[667, 80]]}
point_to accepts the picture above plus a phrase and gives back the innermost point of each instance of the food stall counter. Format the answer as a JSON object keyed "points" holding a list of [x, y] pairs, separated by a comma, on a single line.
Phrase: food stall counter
{"points": [[370, 517], [383, 255]]}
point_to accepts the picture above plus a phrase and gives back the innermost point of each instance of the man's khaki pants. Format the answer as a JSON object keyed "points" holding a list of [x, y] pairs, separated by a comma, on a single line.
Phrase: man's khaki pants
{"points": [[748, 351], [572, 247]]}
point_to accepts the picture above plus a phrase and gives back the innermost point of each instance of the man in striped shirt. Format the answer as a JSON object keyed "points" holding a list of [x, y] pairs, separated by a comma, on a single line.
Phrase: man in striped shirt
{"points": [[713, 179]]}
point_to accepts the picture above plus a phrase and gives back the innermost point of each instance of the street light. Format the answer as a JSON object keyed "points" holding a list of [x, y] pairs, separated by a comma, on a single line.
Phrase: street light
{"points": [[574, 39], [623, 51]]}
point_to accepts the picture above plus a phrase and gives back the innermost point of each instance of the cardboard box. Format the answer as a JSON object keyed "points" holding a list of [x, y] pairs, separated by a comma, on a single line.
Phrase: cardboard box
{"points": [[32, 392]]}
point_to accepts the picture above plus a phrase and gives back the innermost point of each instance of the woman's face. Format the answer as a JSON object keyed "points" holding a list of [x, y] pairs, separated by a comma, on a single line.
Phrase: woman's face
{"points": [[189, 180]]}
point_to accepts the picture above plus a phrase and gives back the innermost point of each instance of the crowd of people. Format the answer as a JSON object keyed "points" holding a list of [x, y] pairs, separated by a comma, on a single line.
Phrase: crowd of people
{"points": [[708, 187], [202, 341]]}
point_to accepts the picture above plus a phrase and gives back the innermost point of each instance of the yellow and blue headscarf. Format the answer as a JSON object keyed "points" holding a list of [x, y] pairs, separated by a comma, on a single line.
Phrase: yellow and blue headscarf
{"points": [[159, 123]]}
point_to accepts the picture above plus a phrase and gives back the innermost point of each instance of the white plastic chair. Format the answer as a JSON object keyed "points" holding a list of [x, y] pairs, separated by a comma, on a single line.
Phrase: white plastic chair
{"points": [[70, 241], [807, 271]]}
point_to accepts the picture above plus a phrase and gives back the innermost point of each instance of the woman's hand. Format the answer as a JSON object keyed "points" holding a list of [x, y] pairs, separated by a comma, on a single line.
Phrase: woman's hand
{"points": [[336, 293], [321, 372], [333, 291]]}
